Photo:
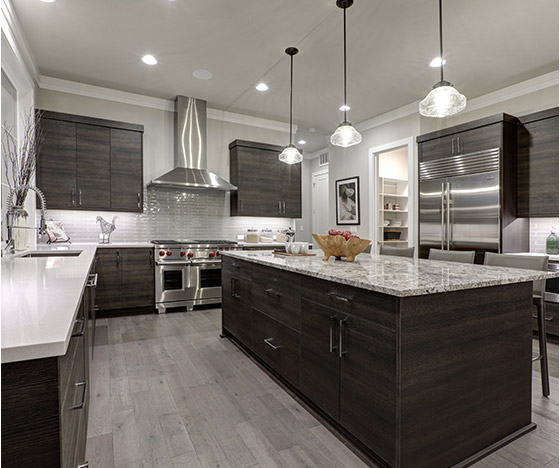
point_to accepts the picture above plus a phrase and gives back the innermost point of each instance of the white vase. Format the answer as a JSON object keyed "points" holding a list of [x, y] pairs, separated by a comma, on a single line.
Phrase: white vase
{"points": [[20, 232]]}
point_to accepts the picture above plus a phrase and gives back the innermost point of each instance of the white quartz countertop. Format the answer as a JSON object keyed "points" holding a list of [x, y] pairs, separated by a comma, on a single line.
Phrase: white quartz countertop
{"points": [[396, 276], [40, 301]]}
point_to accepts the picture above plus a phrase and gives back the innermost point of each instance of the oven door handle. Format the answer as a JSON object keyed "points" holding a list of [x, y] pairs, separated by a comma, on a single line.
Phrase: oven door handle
{"points": [[207, 266], [173, 262]]}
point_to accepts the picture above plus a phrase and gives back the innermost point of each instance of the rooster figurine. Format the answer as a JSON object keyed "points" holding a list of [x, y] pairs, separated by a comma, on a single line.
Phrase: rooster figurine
{"points": [[106, 229]]}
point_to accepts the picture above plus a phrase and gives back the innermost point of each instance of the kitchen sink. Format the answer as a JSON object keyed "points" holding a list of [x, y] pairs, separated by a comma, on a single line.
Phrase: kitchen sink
{"points": [[52, 253]]}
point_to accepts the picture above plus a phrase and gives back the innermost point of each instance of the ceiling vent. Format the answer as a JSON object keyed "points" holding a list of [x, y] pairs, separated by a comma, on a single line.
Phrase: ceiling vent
{"points": [[324, 159]]}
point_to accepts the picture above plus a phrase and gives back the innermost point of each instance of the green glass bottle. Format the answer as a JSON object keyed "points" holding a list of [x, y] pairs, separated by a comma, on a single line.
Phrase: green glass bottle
{"points": [[552, 243]]}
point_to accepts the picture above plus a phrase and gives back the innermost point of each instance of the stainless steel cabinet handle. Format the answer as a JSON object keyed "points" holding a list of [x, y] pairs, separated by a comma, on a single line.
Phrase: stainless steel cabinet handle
{"points": [[118, 258], [139, 200], [73, 195], [458, 145], [448, 214], [334, 295], [548, 318], [82, 328], [331, 337], [283, 207], [151, 258], [83, 402], [241, 205], [83, 465], [279, 207], [80, 197], [340, 325], [268, 341], [272, 293], [92, 280], [442, 214], [452, 146], [232, 284]]}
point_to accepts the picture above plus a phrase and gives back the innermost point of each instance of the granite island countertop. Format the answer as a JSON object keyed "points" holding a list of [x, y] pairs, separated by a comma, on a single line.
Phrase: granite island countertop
{"points": [[396, 276], [40, 301]]}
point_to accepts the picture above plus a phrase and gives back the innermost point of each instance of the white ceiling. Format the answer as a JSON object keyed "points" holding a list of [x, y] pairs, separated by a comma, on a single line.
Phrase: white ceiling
{"points": [[488, 45]]}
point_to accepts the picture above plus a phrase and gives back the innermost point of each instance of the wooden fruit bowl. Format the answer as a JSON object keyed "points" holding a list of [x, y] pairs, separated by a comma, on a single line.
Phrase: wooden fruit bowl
{"points": [[338, 246]]}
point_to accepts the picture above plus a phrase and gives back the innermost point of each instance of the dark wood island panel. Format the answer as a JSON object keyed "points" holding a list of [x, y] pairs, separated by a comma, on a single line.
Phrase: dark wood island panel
{"points": [[435, 380]]}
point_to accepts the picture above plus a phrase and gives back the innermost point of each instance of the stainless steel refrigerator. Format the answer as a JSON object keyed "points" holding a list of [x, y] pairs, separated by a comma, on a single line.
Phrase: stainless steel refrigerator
{"points": [[461, 204]]}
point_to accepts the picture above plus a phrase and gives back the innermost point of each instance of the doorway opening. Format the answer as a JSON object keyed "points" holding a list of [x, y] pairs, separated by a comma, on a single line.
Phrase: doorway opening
{"points": [[319, 203], [392, 198]]}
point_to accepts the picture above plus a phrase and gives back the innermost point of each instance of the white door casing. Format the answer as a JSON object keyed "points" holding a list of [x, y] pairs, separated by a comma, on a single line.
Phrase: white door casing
{"points": [[320, 203]]}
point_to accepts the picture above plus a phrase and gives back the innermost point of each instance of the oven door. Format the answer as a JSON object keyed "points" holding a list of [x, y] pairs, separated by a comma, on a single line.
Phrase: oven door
{"points": [[171, 283], [205, 281]]}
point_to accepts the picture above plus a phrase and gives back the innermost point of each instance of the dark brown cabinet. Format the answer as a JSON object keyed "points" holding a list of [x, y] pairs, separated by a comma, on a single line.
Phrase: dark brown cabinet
{"points": [[537, 170], [266, 186], [236, 299], [125, 280], [45, 406], [90, 164], [497, 131]]}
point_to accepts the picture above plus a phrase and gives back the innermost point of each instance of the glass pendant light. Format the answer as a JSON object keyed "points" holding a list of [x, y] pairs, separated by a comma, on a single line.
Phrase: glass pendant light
{"points": [[345, 135], [443, 100], [291, 155]]}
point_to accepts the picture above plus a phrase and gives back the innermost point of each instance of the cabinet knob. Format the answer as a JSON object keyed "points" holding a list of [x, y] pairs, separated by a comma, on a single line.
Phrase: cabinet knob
{"points": [[139, 200]]}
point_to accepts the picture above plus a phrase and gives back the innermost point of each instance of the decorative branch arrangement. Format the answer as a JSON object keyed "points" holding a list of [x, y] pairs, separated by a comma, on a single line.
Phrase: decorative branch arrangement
{"points": [[20, 162]]}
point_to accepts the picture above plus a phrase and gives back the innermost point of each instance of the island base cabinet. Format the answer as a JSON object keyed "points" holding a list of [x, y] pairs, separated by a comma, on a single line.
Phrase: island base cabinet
{"points": [[237, 313], [368, 386], [277, 345], [319, 360]]}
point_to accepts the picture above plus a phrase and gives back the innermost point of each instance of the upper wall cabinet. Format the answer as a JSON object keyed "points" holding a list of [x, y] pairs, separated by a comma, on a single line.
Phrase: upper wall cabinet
{"points": [[497, 131], [266, 186], [90, 164], [537, 169]]}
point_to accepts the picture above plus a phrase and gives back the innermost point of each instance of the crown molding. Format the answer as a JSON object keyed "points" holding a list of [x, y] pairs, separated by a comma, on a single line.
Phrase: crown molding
{"points": [[532, 85], [242, 119], [98, 92], [13, 33]]}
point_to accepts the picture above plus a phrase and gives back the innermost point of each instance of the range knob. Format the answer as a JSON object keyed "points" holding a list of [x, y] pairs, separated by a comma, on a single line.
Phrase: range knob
{"points": [[182, 254], [169, 253], [218, 252], [191, 255], [212, 254], [162, 253]]}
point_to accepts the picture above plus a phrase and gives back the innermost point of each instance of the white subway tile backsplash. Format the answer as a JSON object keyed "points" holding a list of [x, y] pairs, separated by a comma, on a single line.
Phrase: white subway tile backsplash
{"points": [[539, 230], [168, 214]]}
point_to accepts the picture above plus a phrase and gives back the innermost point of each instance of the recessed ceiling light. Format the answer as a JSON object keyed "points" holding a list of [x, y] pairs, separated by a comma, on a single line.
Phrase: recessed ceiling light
{"points": [[261, 87], [344, 108], [301, 142], [149, 60], [312, 130], [436, 63], [48, 1], [202, 75]]}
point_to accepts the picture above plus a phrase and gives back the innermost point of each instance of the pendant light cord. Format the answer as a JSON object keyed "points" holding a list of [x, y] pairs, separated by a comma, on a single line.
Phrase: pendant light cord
{"points": [[441, 39], [291, 93], [344, 29]]}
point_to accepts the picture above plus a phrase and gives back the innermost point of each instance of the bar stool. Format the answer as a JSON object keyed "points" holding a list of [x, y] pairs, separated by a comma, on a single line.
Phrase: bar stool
{"points": [[464, 256], [532, 262], [397, 251]]}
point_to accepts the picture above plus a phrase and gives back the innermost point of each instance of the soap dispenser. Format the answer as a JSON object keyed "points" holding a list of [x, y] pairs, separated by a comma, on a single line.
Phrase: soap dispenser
{"points": [[552, 243]]}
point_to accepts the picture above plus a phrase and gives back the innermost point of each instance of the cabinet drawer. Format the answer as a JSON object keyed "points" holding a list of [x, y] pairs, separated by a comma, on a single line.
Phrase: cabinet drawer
{"points": [[551, 318], [277, 345], [237, 268], [278, 294], [66, 364], [367, 305]]}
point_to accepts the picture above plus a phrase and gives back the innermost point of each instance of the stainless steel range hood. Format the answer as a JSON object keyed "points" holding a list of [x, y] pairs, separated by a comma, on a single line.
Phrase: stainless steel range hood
{"points": [[190, 150]]}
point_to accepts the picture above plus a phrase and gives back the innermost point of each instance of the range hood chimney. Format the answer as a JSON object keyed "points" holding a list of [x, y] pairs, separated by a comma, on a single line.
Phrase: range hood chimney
{"points": [[190, 150]]}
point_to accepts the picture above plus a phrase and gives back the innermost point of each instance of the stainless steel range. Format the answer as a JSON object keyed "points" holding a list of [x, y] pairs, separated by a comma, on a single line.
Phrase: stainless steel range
{"points": [[189, 272]]}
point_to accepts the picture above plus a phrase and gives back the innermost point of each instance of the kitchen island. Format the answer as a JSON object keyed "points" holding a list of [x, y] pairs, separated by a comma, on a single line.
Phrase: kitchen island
{"points": [[419, 363]]}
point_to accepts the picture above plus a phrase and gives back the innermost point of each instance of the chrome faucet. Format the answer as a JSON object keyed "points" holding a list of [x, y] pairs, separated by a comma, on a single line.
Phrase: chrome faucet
{"points": [[10, 247]]}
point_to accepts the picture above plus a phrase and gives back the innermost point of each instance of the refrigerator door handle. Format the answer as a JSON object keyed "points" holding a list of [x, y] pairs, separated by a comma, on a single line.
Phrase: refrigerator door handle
{"points": [[449, 235], [442, 215]]}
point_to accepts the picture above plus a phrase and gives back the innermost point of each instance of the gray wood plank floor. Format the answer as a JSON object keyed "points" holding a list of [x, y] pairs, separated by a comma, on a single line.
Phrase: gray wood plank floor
{"points": [[168, 392]]}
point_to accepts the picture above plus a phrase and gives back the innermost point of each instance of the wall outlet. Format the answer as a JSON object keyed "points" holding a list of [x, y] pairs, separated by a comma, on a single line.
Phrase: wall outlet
{"points": [[301, 228], [353, 229], [240, 237]]}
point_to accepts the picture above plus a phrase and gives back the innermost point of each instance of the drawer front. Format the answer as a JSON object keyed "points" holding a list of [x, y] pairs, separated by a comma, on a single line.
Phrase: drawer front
{"points": [[235, 267], [277, 345], [278, 295], [367, 305], [551, 318]]}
